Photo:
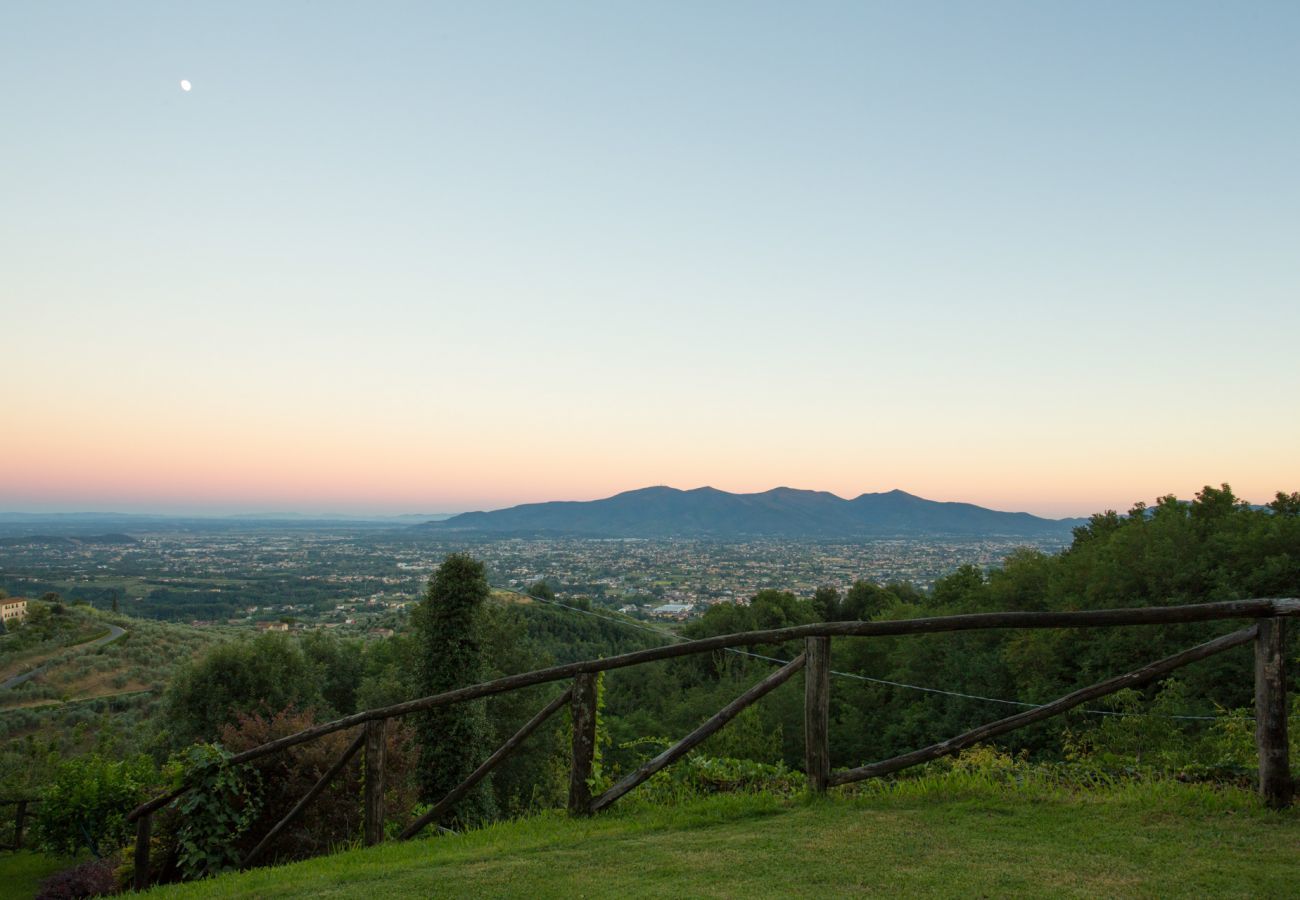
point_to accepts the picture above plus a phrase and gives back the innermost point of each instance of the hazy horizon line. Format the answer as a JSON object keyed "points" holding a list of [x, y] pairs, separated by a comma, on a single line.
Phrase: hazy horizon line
{"points": [[252, 510]]}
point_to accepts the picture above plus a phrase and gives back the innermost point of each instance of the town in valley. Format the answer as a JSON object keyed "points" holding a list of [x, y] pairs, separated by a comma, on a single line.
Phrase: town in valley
{"points": [[361, 578]]}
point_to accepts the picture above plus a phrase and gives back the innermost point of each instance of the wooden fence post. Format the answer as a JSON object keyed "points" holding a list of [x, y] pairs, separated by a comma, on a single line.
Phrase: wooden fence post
{"points": [[143, 827], [583, 707], [1275, 785], [20, 813], [374, 799], [816, 713]]}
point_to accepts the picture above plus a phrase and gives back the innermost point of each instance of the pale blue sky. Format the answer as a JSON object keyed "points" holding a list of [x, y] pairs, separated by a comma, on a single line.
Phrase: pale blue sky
{"points": [[1034, 255]]}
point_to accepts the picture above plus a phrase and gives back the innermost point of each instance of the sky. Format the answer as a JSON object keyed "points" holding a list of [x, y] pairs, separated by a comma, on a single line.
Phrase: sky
{"points": [[430, 257]]}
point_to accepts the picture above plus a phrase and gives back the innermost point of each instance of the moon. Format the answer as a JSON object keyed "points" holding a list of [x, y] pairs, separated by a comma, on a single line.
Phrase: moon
{"points": [[185, 85]]}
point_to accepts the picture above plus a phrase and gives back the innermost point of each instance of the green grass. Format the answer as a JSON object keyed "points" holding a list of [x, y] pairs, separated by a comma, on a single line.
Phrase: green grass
{"points": [[943, 836], [22, 873]]}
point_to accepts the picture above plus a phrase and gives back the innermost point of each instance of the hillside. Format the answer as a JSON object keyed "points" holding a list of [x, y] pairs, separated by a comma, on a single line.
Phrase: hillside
{"points": [[944, 836], [76, 662], [83, 682], [781, 512]]}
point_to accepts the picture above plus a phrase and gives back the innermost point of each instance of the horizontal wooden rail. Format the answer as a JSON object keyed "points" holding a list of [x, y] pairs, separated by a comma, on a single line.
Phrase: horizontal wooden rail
{"points": [[460, 790], [696, 737], [1152, 615], [1136, 678]]}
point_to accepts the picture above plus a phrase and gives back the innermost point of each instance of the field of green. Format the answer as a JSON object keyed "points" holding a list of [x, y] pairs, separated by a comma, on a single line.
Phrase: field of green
{"points": [[940, 836], [21, 874]]}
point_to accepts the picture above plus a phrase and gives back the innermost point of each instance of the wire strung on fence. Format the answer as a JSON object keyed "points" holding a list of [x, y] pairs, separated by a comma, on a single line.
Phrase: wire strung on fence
{"points": [[884, 681]]}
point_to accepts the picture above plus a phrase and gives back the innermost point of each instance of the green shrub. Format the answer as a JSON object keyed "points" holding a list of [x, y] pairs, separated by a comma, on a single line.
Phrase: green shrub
{"points": [[223, 801], [86, 803], [698, 776]]}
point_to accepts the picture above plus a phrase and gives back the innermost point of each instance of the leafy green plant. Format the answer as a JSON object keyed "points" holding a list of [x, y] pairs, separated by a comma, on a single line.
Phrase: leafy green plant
{"points": [[1141, 736], [989, 763], [220, 806], [599, 780], [86, 804], [699, 776]]}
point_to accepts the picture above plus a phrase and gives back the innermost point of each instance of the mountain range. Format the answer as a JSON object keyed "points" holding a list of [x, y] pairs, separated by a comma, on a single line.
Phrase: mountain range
{"points": [[659, 512]]}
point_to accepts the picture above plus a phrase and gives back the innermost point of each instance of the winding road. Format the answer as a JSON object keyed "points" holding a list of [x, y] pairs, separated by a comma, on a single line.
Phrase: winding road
{"points": [[114, 632]]}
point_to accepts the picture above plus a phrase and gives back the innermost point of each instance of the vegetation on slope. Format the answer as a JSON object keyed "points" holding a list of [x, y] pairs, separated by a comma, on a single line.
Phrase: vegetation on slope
{"points": [[90, 697]]}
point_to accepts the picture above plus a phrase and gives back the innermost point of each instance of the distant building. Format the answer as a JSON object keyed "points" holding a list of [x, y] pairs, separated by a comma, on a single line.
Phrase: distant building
{"points": [[273, 626], [673, 610], [13, 610]]}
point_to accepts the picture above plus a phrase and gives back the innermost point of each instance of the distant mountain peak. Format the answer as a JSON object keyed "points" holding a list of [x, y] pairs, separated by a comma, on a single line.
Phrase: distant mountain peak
{"points": [[783, 512]]}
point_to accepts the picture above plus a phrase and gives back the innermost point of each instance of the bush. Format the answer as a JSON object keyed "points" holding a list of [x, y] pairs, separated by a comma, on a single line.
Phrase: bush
{"points": [[87, 802], [700, 776], [719, 775], [92, 878]]}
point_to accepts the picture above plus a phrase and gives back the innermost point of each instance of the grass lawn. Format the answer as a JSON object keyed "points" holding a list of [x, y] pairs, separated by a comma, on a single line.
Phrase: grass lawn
{"points": [[22, 873], [940, 837]]}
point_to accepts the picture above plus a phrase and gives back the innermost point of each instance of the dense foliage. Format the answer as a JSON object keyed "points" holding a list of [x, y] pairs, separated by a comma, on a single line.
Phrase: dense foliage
{"points": [[453, 738], [223, 801], [264, 675], [85, 804], [1212, 548]]}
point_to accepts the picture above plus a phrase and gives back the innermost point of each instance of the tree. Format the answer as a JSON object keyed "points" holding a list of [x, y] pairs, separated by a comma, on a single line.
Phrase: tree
{"points": [[1284, 505], [340, 668], [542, 590], [264, 675], [864, 601], [826, 601], [453, 739]]}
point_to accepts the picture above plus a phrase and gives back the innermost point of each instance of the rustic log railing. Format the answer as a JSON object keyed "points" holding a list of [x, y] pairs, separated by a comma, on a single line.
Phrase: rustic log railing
{"points": [[1267, 634]]}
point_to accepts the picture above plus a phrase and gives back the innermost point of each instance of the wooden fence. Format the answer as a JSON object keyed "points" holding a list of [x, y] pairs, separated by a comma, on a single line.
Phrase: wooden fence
{"points": [[1267, 634]]}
